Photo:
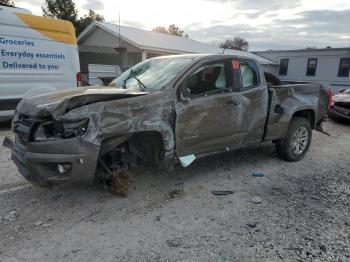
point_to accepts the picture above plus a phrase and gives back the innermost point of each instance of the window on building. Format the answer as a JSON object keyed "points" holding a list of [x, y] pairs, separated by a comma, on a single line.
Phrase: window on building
{"points": [[344, 67], [311, 67], [284, 67]]}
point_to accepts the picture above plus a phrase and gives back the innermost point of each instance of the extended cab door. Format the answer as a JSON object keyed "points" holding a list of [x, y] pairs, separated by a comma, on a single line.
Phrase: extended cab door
{"points": [[207, 111], [253, 95]]}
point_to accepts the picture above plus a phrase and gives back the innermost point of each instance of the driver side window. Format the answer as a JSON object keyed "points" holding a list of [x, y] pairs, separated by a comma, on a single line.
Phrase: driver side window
{"points": [[206, 80]]}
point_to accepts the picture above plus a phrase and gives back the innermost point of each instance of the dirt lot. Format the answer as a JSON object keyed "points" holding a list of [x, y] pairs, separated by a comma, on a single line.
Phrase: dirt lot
{"points": [[303, 214]]}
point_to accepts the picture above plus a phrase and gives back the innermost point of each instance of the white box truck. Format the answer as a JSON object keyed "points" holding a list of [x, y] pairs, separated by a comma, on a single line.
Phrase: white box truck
{"points": [[37, 55]]}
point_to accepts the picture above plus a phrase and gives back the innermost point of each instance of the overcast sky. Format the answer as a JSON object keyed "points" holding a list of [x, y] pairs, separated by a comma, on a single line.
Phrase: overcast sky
{"points": [[266, 24]]}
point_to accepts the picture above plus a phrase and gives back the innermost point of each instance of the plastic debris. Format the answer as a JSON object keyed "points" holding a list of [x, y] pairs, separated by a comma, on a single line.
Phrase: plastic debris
{"points": [[187, 160], [256, 200], [222, 193], [251, 225], [258, 174], [39, 223]]}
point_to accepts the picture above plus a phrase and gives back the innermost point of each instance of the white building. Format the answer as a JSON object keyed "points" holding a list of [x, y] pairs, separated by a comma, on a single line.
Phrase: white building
{"points": [[108, 44], [330, 66]]}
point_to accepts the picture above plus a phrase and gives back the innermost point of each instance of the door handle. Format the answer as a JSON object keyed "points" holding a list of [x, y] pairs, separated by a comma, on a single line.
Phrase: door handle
{"points": [[233, 103]]}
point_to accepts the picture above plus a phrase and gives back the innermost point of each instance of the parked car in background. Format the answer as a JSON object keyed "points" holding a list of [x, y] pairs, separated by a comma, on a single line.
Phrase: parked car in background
{"points": [[37, 55], [340, 108]]}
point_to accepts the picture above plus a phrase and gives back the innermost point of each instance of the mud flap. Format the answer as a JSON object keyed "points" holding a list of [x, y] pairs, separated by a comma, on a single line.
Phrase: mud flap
{"points": [[319, 127]]}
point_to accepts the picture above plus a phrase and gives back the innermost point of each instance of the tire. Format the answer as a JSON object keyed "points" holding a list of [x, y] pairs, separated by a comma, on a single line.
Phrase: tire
{"points": [[296, 143]]}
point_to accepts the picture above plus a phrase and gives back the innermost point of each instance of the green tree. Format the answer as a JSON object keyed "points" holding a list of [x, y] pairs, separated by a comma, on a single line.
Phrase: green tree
{"points": [[7, 3], [86, 20], [171, 30], [237, 43], [66, 10], [61, 9], [160, 29]]}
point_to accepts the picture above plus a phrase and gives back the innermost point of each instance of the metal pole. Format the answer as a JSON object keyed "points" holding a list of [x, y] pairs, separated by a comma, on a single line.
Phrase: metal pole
{"points": [[119, 28]]}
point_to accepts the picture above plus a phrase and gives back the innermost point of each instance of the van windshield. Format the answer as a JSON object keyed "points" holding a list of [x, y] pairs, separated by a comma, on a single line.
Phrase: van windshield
{"points": [[152, 74]]}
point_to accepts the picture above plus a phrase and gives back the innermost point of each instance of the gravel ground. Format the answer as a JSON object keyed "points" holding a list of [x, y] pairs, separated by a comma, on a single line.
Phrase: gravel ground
{"points": [[296, 212]]}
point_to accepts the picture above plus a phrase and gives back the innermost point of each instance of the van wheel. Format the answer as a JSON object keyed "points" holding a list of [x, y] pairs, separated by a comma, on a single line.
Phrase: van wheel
{"points": [[296, 142]]}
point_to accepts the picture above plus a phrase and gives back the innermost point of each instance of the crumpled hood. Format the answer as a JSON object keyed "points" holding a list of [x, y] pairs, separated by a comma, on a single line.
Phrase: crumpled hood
{"points": [[58, 103], [341, 98]]}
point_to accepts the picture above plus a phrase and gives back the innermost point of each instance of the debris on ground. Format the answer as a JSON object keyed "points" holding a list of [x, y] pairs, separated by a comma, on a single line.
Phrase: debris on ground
{"points": [[121, 182], [251, 225], [174, 242], [187, 160], [258, 174], [10, 217], [175, 193], [256, 200], [222, 193], [47, 225]]}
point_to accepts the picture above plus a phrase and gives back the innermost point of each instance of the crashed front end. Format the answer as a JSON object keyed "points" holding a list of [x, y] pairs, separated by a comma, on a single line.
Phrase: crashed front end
{"points": [[68, 137], [49, 152]]}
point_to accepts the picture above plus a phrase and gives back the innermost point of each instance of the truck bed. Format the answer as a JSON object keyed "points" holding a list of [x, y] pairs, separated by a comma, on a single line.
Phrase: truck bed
{"points": [[288, 99]]}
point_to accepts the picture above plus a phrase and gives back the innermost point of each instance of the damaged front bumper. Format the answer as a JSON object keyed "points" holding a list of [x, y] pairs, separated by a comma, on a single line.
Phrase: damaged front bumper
{"points": [[56, 162]]}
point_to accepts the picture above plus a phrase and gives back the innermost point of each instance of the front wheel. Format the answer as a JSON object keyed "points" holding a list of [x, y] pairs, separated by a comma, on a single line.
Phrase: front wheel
{"points": [[297, 140]]}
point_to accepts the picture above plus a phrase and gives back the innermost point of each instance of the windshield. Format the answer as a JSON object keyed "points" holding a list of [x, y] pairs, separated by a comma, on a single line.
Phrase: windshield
{"points": [[151, 74], [347, 91]]}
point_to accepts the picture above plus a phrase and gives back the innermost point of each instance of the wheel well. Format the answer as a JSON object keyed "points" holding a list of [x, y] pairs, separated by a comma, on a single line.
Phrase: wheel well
{"points": [[147, 145], [308, 114], [143, 147]]}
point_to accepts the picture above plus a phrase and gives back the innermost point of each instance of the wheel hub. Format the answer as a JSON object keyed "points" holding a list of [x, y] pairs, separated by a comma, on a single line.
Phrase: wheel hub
{"points": [[300, 140]]}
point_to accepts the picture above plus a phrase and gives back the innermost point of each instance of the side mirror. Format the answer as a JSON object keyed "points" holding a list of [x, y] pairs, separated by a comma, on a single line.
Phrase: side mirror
{"points": [[342, 90]]}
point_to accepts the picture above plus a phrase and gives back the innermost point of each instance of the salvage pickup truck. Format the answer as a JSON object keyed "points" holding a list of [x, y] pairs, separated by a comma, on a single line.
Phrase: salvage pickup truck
{"points": [[162, 109]]}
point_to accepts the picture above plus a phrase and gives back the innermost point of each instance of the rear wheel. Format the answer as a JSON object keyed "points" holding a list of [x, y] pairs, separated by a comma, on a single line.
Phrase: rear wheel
{"points": [[297, 140]]}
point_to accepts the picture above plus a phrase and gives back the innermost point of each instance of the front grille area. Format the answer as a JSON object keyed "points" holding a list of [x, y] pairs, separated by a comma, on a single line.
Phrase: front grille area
{"points": [[21, 127]]}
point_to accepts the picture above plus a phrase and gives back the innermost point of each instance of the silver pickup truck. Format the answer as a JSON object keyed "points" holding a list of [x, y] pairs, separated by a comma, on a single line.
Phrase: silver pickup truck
{"points": [[163, 109]]}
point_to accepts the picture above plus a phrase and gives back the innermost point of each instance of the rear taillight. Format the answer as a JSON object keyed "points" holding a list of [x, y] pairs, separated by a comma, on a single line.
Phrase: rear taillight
{"points": [[78, 79], [330, 99]]}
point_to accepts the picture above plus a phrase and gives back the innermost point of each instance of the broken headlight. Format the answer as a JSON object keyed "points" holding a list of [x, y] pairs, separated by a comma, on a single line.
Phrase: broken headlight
{"points": [[75, 128], [60, 129]]}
